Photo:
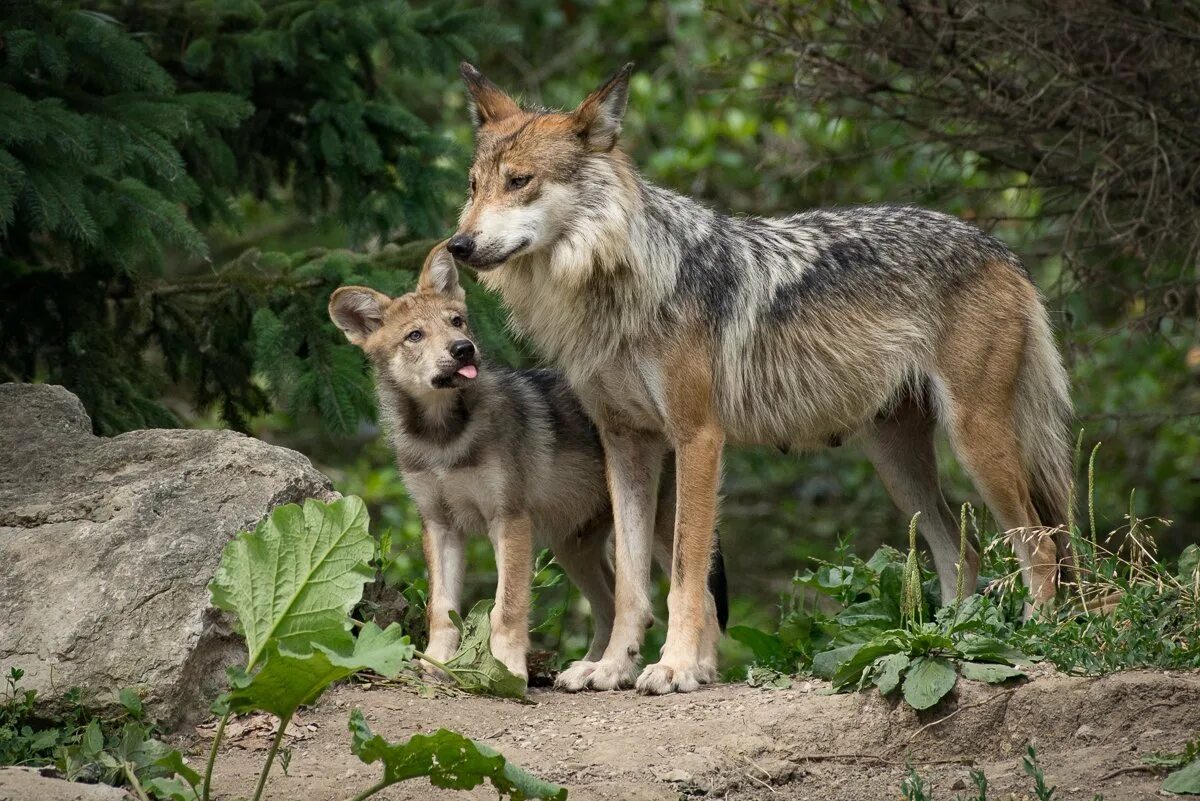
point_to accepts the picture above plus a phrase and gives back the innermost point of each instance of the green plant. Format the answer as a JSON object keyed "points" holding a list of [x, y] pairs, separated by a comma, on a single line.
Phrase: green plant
{"points": [[880, 637], [924, 660], [914, 788], [1126, 607], [448, 759], [291, 585], [1185, 767]]}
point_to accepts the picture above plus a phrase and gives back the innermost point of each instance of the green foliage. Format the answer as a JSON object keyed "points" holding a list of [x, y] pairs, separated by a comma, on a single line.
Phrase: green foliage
{"points": [[291, 584], [1186, 780], [1185, 766], [294, 579], [914, 788], [473, 667], [84, 745], [131, 139], [449, 760], [1127, 608]]}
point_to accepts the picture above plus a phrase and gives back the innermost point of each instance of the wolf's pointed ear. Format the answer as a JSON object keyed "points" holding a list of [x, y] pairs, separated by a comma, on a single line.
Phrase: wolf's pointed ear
{"points": [[358, 311], [598, 118], [488, 102], [440, 275]]}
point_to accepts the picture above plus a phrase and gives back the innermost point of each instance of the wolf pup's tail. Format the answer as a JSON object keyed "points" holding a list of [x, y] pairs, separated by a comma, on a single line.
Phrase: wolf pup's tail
{"points": [[717, 584], [1043, 422]]}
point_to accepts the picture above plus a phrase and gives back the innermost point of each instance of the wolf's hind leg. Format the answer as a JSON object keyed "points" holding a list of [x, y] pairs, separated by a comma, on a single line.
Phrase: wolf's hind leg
{"points": [[980, 360], [445, 558], [587, 564], [901, 448], [513, 540]]}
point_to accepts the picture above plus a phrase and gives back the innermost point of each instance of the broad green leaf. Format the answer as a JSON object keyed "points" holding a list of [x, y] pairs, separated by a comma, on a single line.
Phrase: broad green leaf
{"points": [[173, 762], [980, 648], [876, 613], [131, 701], [887, 671], [474, 667], [1185, 781], [768, 649], [851, 672], [928, 680], [826, 663], [450, 760], [286, 681], [170, 790], [991, 673], [296, 577]]}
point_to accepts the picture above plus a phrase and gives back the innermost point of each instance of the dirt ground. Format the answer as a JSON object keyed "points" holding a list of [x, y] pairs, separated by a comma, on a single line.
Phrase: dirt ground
{"points": [[737, 742]]}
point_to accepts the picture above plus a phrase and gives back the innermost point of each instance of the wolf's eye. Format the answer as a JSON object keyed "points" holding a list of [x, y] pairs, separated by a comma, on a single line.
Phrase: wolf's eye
{"points": [[414, 336], [456, 321], [517, 181]]}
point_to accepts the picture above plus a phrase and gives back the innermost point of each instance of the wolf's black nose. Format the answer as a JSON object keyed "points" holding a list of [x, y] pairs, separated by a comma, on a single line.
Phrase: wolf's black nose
{"points": [[462, 349], [461, 246]]}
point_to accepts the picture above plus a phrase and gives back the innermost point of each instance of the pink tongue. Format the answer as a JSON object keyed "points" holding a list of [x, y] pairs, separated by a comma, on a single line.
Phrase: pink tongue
{"points": [[468, 371]]}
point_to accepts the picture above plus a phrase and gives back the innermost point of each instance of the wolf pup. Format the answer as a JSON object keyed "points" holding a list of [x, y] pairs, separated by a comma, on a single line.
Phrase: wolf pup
{"points": [[681, 328], [483, 449]]}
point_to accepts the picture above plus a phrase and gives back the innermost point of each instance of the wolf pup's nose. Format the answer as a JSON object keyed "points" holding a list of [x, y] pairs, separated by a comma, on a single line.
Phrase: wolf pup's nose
{"points": [[461, 246], [462, 349]]}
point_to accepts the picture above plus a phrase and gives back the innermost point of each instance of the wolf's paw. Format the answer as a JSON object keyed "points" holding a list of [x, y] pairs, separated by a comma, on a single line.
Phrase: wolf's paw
{"points": [[662, 678], [602, 675], [575, 677]]}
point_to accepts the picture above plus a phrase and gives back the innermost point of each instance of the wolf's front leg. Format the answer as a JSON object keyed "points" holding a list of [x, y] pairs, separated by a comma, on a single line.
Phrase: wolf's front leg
{"points": [[633, 462], [513, 540], [445, 557], [689, 656]]}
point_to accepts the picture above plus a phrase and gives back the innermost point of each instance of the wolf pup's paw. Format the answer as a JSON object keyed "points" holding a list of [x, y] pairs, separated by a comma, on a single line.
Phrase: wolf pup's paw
{"points": [[662, 678]]}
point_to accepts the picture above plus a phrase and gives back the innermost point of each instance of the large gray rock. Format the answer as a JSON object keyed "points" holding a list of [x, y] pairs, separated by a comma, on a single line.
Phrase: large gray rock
{"points": [[26, 784], [107, 546]]}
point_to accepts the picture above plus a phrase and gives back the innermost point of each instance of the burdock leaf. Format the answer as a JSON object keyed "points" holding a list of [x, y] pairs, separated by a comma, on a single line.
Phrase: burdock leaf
{"points": [[450, 760], [296, 577], [474, 667], [286, 681], [928, 680]]}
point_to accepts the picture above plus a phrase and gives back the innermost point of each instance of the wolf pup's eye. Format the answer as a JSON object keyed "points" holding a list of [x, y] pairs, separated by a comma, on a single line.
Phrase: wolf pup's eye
{"points": [[456, 321], [414, 336], [518, 181]]}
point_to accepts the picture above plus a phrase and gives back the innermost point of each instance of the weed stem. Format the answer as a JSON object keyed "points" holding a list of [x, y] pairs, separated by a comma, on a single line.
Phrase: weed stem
{"points": [[212, 756], [373, 789], [266, 771]]}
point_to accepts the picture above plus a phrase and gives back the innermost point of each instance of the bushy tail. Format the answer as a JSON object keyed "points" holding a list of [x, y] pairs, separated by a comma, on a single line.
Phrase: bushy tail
{"points": [[1043, 423], [717, 583]]}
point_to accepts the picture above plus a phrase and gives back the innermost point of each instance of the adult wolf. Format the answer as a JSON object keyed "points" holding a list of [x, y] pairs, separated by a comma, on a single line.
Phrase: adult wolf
{"points": [[682, 328]]}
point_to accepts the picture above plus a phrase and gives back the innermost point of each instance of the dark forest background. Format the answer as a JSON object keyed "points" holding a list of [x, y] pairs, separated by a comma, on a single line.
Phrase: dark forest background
{"points": [[182, 184]]}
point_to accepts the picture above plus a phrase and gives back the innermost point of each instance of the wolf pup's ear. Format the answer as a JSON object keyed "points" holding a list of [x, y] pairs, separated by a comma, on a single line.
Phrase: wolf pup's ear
{"points": [[358, 311], [598, 118], [488, 102], [440, 275]]}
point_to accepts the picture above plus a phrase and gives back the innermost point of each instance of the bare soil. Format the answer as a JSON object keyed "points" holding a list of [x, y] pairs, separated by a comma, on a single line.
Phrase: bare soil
{"points": [[737, 742]]}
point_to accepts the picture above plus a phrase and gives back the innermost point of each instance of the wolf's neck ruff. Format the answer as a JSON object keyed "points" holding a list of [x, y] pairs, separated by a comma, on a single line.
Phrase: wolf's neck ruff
{"points": [[610, 275]]}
